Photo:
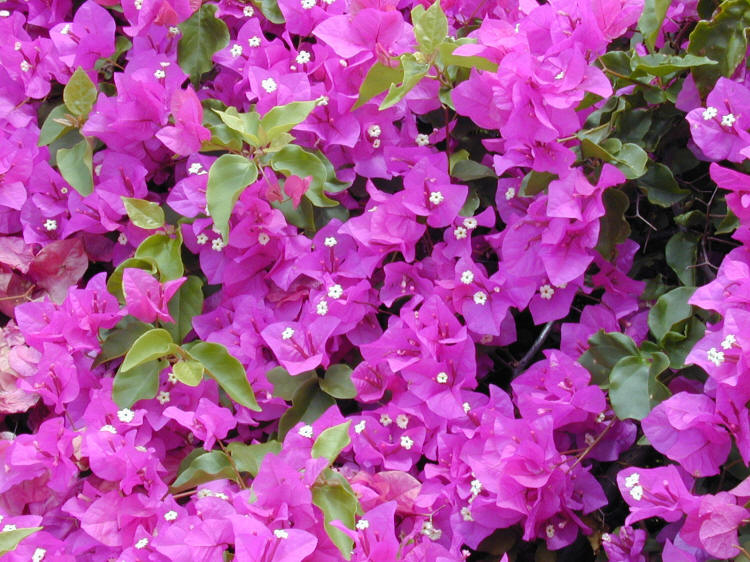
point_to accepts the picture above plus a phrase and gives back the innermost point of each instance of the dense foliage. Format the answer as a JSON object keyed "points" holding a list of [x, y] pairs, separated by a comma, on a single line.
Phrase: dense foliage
{"points": [[350, 279]]}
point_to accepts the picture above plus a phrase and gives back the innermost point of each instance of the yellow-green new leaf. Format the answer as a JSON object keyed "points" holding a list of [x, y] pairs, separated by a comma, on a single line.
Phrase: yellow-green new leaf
{"points": [[154, 344], [144, 214], [227, 179], [9, 539], [79, 94], [227, 371], [332, 441], [188, 372]]}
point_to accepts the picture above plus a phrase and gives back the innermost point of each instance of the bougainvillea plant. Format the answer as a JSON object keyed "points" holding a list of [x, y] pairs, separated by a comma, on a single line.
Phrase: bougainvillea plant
{"points": [[323, 280]]}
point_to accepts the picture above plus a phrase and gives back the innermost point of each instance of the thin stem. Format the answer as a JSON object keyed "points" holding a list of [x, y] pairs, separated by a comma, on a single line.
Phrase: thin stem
{"points": [[240, 480], [593, 444], [538, 343]]}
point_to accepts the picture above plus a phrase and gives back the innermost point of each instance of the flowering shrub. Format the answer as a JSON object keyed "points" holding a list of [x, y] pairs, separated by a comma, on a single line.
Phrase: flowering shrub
{"points": [[344, 280]]}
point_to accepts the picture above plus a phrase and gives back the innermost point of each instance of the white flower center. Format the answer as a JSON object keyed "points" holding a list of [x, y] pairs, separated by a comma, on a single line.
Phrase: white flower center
{"points": [[287, 333], [430, 531], [236, 50], [336, 291], [467, 407], [108, 428], [330, 241], [407, 442], [25, 66], [269, 85], [163, 397], [374, 131], [632, 480], [263, 238], [470, 223], [709, 113], [141, 543], [467, 277], [9, 527], [248, 11], [546, 291], [50, 224], [138, 4], [436, 198], [254, 41], [170, 515], [510, 193], [550, 531], [201, 239], [442, 377], [715, 356], [728, 341], [280, 534], [360, 427], [303, 57], [125, 415], [362, 524], [322, 308], [385, 420], [480, 298], [307, 4], [174, 30], [217, 244], [636, 492], [402, 420], [460, 233], [728, 120], [422, 140], [38, 555], [306, 431], [376, 143]]}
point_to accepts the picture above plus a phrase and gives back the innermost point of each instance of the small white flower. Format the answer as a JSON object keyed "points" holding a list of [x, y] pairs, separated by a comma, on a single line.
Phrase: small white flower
{"points": [[287, 333], [362, 524], [254, 41], [236, 50], [476, 487], [442, 377], [329, 2], [4, 13], [306, 431], [480, 298], [466, 514], [430, 531], [600, 418], [195, 168], [307, 4], [560, 75], [467, 277], [263, 238], [546, 291], [330, 241], [322, 308], [376, 143], [343, 63], [248, 11], [402, 420], [728, 120], [436, 198], [407, 442], [715, 356], [204, 493], [17, 46], [303, 57], [510, 193], [322, 101], [174, 30], [163, 397], [470, 223], [550, 531], [50, 224], [728, 341], [606, 537], [172, 378], [125, 415], [201, 239], [280, 534], [460, 233], [269, 85], [108, 428], [636, 492], [467, 407], [632, 480], [709, 113], [170, 515], [65, 29], [64, 190], [9, 527], [164, 63], [374, 131], [336, 291], [159, 73], [25, 66], [38, 555], [360, 427], [217, 244], [385, 420], [138, 4], [422, 140]]}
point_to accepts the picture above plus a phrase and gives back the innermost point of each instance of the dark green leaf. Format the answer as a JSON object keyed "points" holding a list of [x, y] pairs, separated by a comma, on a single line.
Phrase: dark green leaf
{"points": [[651, 20], [75, 165], [79, 94], [379, 78], [338, 382], [9, 539], [331, 442], [614, 229], [681, 253], [670, 309], [535, 182], [661, 65], [183, 306], [138, 383], [202, 35], [677, 345], [144, 214], [153, 344], [227, 371], [295, 160], [188, 372], [467, 170], [605, 349], [691, 219], [633, 387], [270, 9], [284, 384], [308, 404], [248, 458], [430, 27], [52, 128], [660, 187], [207, 467], [631, 160], [414, 71], [120, 339], [228, 177]]}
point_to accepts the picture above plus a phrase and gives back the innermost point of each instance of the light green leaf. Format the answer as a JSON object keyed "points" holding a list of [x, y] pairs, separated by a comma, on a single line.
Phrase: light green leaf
{"points": [[270, 9], [223, 137], [75, 165], [337, 502], [144, 214], [414, 71], [227, 371], [228, 177], [430, 27], [651, 19], [114, 283], [448, 58], [120, 339], [9, 539], [246, 124], [202, 35], [206, 467], [165, 252], [379, 78], [183, 306], [188, 372], [670, 309], [633, 387], [295, 160], [79, 94], [338, 382], [332, 441], [248, 458], [283, 118], [138, 383], [154, 344], [53, 128]]}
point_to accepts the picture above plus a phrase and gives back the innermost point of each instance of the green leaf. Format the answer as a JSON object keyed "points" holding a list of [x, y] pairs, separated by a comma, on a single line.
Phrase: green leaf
{"points": [[337, 502], [295, 160], [138, 383], [678, 344], [535, 182], [331, 442], [227, 371], [114, 283], [631, 159], [75, 165], [284, 384], [154, 344], [467, 170], [207, 467], [165, 252], [633, 387], [188, 371], [223, 137], [723, 39], [413, 72], [202, 35], [448, 58], [183, 306], [283, 118], [660, 187], [79, 94], [9, 539], [651, 20], [670, 309], [120, 339], [338, 382], [53, 129], [270, 9], [681, 253], [246, 124], [144, 214], [662, 65], [228, 177], [430, 27], [605, 349], [308, 404], [248, 458], [379, 78], [614, 229]]}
